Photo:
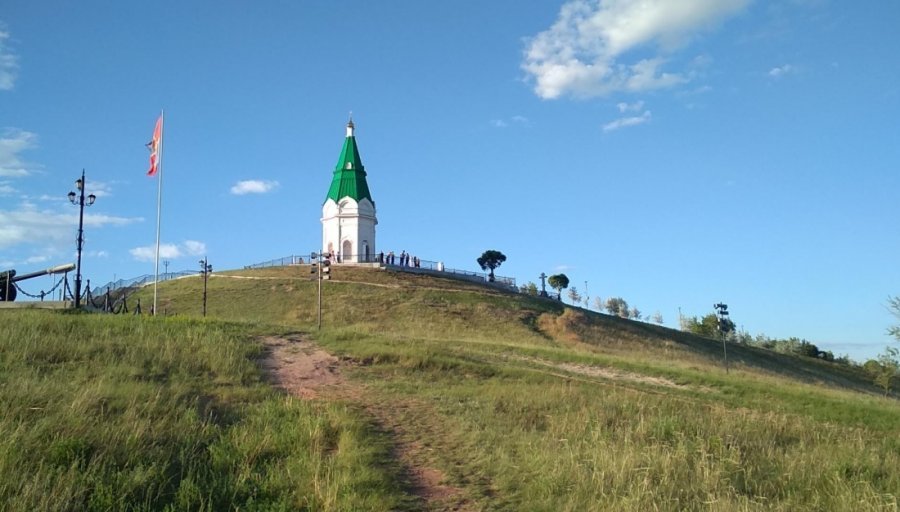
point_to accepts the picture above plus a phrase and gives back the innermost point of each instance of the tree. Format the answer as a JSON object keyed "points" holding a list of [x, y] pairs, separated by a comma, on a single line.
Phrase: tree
{"points": [[657, 318], [529, 288], [491, 259], [574, 296], [598, 304], [886, 370], [558, 282], [618, 307], [894, 306], [707, 326], [635, 313]]}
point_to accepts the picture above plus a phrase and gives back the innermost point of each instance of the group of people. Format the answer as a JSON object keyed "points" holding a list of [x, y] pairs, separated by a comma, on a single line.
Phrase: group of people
{"points": [[406, 260]]}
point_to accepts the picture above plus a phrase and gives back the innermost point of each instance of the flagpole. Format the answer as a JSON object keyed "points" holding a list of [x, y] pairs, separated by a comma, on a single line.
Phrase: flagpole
{"points": [[162, 125]]}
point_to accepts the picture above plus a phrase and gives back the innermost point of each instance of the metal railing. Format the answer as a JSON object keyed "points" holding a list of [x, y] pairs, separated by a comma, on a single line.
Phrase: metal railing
{"points": [[281, 262], [412, 264], [137, 282], [395, 262]]}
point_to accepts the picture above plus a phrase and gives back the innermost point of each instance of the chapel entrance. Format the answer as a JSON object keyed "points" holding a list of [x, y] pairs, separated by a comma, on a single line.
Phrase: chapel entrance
{"points": [[347, 251]]}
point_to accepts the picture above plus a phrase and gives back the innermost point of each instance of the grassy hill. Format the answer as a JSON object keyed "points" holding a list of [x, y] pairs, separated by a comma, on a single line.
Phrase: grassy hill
{"points": [[506, 402]]}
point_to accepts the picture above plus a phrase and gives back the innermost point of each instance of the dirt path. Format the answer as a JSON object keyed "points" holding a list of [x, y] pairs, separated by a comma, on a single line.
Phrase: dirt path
{"points": [[298, 366]]}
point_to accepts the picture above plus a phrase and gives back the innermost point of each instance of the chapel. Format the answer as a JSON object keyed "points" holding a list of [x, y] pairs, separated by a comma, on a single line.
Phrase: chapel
{"points": [[348, 215]]}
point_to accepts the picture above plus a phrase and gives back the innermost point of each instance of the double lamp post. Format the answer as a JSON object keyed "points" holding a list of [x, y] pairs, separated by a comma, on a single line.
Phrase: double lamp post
{"points": [[79, 200]]}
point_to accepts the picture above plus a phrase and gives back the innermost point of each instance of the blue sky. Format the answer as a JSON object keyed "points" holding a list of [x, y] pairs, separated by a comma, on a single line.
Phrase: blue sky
{"points": [[674, 154]]}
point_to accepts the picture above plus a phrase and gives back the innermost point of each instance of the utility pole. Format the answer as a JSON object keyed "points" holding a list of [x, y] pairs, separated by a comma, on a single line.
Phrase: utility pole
{"points": [[205, 270], [317, 260], [319, 313], [724, 328]]}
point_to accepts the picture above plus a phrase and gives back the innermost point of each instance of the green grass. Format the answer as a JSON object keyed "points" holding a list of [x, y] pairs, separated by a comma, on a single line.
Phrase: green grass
{"points": [[130, 413], [519, 438], [156, 413]]}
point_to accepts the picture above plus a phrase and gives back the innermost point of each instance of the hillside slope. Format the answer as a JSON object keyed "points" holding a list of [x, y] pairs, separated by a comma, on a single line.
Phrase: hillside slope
{"points": [[383, 301], [516, 403]]}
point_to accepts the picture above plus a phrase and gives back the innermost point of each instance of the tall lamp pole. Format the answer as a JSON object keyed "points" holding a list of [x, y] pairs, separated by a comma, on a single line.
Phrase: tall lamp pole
{"points": [[80, 201]]}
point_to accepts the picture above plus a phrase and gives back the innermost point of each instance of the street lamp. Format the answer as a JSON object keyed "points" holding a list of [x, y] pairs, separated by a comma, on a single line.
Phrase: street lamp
{"points": [[205, 269], [80, 201]]}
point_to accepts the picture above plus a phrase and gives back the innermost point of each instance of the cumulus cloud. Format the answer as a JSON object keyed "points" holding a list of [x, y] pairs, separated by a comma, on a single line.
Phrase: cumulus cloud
{"points": [[624, 122], [780, 71], [9, 64], [13, 142], [253, 187], [169, 251], [194, 248], [591, 48], [29, 225]]}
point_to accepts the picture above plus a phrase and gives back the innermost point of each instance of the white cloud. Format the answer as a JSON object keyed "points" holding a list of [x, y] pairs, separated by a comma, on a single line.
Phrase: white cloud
{"points": [[633, 107], [98, 188], [6, 189], [36, 259], [9, 64], [253, 187], [514, 120], [28, 225], [194, 248], [169, 251], [780, 71], [586, 51], [12, 142], [624, 122], [148, 253]]}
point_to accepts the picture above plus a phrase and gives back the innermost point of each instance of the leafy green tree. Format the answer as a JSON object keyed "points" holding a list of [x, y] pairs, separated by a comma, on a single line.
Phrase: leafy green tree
{"points": [[885, 371], [491, 259], [707, 326], [558, 282], [618, 306], [574, 296], [529, 288], [894, 306]]}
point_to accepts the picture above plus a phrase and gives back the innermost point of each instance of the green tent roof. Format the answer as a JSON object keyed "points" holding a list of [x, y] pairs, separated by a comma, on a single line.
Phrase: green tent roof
{"points": [[349, 175]]}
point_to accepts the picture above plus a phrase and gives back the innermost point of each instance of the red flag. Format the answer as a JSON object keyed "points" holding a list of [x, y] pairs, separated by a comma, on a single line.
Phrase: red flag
{"points": [[153, 146]]}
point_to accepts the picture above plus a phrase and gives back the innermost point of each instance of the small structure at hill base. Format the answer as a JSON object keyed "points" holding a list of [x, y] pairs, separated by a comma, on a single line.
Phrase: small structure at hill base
{"points": [[348, 215]]}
